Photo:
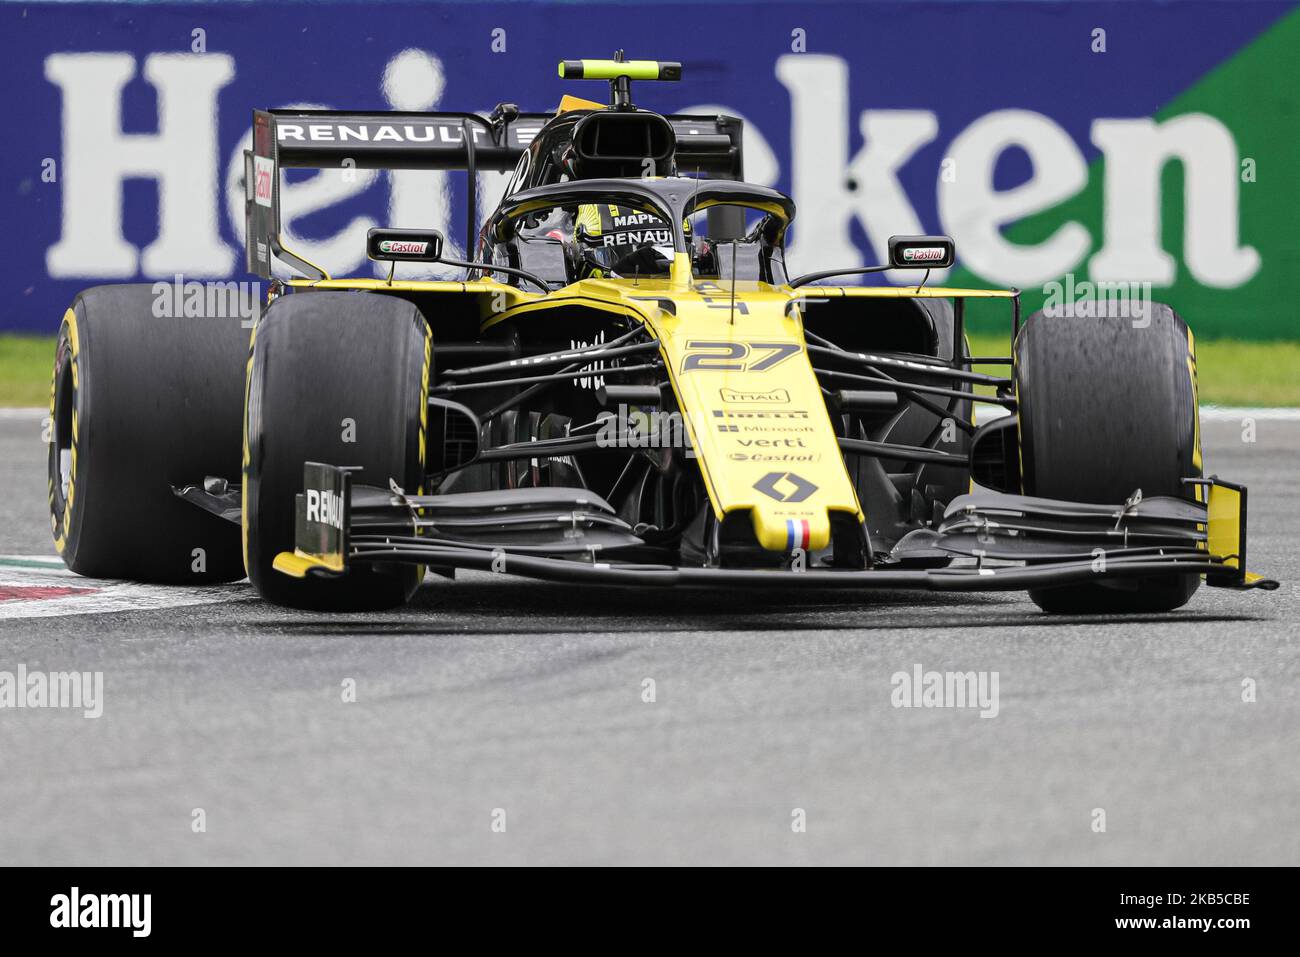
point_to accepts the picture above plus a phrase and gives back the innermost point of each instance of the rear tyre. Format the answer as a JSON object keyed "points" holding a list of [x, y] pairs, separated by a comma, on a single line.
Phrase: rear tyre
{"points": [[1107, 407], [140, 404], [340, 378]]}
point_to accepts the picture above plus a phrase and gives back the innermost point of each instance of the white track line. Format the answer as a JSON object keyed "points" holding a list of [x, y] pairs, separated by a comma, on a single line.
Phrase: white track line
{"points": [[1209, 413], [104, 597], [1227, 413]]}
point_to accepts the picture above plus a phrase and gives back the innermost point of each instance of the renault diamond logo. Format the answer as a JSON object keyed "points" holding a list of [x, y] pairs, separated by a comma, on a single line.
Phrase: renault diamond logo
{"points": [[785, 486]]}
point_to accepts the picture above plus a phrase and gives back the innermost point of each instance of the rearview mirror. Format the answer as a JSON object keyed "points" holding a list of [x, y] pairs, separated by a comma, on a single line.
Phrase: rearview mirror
{"points": [[921, 252], [404, 245]]}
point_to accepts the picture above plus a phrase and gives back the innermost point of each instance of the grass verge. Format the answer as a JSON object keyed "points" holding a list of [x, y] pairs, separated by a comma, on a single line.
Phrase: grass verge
{"points": [[25, 366], [1231, 372]]}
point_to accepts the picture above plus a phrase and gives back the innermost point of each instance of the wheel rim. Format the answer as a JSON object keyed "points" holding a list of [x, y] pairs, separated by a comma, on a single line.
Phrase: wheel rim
{"points": [[61, 437]]}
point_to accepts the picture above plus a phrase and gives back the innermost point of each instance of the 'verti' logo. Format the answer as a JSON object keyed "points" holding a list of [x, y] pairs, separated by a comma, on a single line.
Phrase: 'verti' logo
{"points": [[785, 486], [75, 909]]}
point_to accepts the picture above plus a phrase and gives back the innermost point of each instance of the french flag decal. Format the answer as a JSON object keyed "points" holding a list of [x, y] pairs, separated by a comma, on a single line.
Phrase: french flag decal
{"points": [[796, 533]]}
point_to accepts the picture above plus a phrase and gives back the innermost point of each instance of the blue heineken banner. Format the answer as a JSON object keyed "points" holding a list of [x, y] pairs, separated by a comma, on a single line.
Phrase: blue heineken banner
{"points": [[1064, 147]]}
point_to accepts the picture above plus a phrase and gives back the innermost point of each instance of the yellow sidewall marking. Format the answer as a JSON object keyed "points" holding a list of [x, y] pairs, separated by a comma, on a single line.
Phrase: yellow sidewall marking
{"points": [[424, 417], [60, 523], [247, 457]]}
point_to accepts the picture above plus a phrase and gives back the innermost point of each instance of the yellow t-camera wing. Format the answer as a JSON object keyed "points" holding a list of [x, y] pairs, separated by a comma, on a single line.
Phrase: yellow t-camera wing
{"points": [[614, 69]]}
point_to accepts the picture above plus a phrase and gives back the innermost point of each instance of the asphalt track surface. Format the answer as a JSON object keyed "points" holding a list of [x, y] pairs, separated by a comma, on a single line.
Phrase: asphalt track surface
{"points": [[497, 693]]}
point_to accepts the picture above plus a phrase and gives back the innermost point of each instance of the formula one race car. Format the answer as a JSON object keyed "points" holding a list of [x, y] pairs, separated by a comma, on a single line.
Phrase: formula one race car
{"points": [[623, 385]]}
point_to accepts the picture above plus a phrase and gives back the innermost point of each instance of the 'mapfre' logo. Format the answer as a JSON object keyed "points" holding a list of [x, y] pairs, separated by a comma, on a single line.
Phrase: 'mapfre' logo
{"points": [[785, 486]]}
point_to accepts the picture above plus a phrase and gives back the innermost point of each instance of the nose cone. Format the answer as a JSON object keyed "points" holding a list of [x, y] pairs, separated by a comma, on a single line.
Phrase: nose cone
{"points": [[761, 433], [791, 523]]}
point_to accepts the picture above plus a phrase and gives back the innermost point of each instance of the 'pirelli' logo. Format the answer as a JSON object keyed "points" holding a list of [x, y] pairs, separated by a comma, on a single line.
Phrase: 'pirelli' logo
{"points": [[766, 414]]}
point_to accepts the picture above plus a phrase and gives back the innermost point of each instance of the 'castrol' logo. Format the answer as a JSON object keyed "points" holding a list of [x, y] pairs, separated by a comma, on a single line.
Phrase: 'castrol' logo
{"points": [[403, 247], [923, 254], [263, 177]]}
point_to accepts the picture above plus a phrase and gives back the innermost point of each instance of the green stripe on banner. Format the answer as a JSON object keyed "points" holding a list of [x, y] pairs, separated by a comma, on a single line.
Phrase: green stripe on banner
{"points": [[1255, 95]]}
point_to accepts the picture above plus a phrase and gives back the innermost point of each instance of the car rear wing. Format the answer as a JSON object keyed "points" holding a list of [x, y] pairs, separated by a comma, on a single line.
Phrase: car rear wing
{"points": [[326, 139]]}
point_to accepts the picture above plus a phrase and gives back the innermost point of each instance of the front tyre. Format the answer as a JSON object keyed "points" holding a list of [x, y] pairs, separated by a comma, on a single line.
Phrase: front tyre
{"points": [[141, 403], [340, 378], [1107, 405]]}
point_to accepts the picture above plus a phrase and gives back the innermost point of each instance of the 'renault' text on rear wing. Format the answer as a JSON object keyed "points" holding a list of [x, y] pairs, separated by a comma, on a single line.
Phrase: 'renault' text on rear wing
{"points": [[326, 139]]}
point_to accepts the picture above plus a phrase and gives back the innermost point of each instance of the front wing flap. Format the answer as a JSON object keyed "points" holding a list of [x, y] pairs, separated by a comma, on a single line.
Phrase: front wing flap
{"points": [[987, 541]]}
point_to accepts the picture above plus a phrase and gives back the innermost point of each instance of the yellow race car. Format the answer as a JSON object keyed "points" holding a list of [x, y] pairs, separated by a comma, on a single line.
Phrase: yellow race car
{"points": [[623, 384]]}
